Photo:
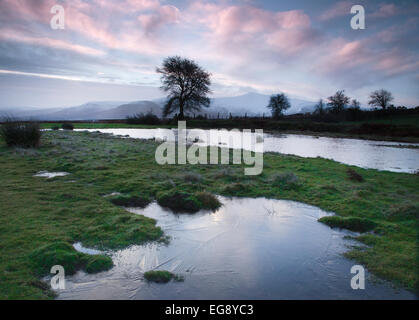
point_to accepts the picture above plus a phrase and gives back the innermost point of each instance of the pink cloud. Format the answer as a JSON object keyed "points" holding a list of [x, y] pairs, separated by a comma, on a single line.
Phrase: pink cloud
{"points": [[164, 15], [337, 10], [7, 34], [247, 27], [385, 11]]}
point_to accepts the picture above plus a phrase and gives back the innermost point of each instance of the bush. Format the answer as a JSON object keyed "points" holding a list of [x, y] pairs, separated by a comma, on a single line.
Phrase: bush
{"points": [[26, 135], [67, 126], [55, 128], [140, 118]]}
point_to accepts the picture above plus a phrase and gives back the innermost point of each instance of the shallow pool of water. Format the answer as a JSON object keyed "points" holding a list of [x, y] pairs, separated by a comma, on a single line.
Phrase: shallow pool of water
{"points": [[381, 155], [248, 249], [49, 175]]}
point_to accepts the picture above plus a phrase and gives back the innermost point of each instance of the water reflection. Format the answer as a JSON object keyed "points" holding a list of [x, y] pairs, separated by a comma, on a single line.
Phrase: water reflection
{"points": [[248, 249], [381, 155]]}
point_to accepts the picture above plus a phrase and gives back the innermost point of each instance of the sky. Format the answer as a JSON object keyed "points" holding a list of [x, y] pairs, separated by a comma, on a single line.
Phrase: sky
{"points": [[109, 50]]}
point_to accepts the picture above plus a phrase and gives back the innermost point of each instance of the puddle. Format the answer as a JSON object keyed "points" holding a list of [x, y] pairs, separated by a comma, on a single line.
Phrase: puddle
{"points": [[49, 175], [248, 249], [79, 247]]}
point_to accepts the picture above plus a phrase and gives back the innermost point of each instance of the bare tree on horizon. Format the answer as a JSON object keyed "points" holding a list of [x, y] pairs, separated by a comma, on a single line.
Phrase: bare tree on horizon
{"points": [[278, 104], [380, 98], [187, 85]]}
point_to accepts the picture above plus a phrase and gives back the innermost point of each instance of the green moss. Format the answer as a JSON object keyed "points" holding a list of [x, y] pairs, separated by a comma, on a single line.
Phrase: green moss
{"points": [[351, 223]]}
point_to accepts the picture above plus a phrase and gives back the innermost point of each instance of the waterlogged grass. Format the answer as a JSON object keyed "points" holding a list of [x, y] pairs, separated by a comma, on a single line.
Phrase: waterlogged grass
{"points": [[37, 212]]}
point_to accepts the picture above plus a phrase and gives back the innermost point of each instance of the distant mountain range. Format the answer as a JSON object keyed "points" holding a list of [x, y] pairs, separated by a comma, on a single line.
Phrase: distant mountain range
{"points": [[252, 104]]}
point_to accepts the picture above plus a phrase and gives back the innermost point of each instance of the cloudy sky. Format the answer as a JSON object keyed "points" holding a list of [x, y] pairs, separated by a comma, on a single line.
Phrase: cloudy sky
{"points": [[109, 49]]}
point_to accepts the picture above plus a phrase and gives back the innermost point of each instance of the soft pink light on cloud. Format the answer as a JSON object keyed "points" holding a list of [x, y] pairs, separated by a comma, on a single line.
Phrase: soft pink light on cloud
{"points": [[337, 10], [164, 15], [385, 11], [8, 34]]}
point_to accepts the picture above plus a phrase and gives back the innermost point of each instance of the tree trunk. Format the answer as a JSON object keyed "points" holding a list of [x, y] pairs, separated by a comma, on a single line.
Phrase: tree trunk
{"points": [[181, 115]]}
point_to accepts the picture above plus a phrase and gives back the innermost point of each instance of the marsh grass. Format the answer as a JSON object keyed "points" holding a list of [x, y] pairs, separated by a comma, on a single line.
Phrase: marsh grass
{"points": [[208, 200], [285, 180], [62, 253], [38, 212]]}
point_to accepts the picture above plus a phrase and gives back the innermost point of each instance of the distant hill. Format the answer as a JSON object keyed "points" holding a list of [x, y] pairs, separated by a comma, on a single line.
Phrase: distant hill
{"points": [[88, 111], [252, 104]]}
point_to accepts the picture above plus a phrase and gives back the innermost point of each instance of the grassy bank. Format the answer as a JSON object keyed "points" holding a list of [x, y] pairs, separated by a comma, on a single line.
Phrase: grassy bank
{"points": [[36, 212], [402, 128]]}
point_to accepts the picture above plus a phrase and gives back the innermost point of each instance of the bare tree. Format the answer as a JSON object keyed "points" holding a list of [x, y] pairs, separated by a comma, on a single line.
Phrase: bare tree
{"points": [[338, 101], [319, 108], [380, 98], [278, 104], [355, 104], [187, 85]]}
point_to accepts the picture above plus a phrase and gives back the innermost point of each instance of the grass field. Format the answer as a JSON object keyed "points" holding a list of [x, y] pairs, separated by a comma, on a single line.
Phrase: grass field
{"points": [[37, 212]]}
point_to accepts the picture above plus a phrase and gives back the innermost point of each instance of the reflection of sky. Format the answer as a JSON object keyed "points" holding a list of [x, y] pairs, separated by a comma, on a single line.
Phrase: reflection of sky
{"points": [[362, 153], [243, 251]]}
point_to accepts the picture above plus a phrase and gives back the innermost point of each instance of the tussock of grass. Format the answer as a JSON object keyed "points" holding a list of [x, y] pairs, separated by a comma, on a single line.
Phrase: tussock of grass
{"points": [[162, 276], [62, 253], [158, 276], [179, 201], [350, 223], [98, 263], [131, 201], [354, 176], [208, 200]]}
